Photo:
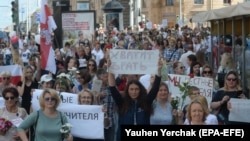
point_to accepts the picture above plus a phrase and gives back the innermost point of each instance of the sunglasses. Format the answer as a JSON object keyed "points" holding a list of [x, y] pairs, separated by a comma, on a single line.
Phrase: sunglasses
{"points": [[231, 79], [47, 99], [6, 78], [11, 98], [182, 67], [207, 72]]}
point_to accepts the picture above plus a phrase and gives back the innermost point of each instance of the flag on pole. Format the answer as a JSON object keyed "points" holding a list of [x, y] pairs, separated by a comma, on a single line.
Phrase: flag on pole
{"points": [[47, 25]]}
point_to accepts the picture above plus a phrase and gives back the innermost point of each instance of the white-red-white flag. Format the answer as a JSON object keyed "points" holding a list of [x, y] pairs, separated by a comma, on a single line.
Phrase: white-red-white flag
{"points": [[15, 70], [47, 25]]}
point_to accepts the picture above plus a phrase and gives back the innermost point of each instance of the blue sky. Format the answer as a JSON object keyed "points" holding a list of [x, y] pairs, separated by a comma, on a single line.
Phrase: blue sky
{"points": [[5, 10]]}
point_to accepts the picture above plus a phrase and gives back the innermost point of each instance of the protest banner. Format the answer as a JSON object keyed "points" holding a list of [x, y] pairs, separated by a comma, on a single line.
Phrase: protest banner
{"points": [[133, 61], [204, 84], [82, 117], [87, 120], [240, 109]]}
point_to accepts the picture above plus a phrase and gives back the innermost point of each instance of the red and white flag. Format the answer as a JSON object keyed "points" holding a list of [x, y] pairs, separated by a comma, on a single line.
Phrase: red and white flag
{"points": [[15, 70], [47, 25]]}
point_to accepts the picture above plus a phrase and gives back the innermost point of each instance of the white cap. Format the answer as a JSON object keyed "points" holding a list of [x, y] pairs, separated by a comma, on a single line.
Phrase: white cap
{"points": [[46, 78]]}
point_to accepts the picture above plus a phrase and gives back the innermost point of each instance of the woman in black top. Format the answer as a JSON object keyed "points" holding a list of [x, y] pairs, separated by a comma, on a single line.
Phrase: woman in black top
{"points": [[25, 86], [231, 89]]}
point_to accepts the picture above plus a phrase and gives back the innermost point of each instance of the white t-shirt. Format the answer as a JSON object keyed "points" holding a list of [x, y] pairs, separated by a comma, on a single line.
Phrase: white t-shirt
{"points": [[210, 120]]}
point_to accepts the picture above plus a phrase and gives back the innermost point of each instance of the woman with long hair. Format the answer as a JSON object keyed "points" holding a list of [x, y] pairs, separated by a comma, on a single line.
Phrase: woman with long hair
{"points": [[25, 86], [134, 107], [231, 89]]}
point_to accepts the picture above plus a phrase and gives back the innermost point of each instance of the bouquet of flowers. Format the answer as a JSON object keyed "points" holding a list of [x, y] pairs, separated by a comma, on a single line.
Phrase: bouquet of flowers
{"points": [[65, 130], [178, 102], [5, 125]]}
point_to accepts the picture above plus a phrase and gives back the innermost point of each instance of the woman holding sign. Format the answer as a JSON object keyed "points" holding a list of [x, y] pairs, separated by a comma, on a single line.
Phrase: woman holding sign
{"points": [[12, 112], [134, 107], [231, 89], [86, 97]]}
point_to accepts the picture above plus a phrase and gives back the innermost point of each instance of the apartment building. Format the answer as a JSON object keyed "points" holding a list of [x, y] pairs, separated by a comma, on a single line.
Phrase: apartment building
{"points": [[180, 10], [175, 11]]}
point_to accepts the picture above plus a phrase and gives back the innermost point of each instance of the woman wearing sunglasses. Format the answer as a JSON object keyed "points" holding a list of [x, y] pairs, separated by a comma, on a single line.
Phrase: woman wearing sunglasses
{"points": [[12, 112], [179, 68], [47, 116], [231, 89], [6, 81], [207, 71]]}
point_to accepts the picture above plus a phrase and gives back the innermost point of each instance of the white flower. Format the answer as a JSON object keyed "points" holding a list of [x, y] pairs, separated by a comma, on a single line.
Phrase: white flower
{"points": [[73, 69], [63, 75], [65, 129]]}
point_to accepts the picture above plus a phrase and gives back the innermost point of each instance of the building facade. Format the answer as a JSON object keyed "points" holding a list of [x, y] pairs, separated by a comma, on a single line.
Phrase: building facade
{"points": [[180, 10], [175, 11]]}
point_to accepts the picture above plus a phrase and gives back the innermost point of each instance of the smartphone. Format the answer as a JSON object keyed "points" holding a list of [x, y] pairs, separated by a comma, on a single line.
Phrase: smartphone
{"points": [[239, 92]]}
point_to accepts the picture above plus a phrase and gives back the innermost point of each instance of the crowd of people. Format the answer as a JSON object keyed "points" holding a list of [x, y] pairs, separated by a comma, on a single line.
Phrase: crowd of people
{"points": [[127, 99]]}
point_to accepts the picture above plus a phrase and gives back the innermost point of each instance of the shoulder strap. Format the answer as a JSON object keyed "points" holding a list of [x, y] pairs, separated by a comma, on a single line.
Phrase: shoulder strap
{"points": [[62, 123], [172, 55], [61, 118], [34, 126], [36, 120]]}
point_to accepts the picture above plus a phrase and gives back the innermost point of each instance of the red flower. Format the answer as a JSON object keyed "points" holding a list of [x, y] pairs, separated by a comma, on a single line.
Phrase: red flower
{"points": [[191, 75]]}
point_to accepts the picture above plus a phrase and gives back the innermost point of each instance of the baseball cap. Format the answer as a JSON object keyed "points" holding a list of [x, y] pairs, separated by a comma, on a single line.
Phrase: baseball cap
{"points": [[46, 78]]}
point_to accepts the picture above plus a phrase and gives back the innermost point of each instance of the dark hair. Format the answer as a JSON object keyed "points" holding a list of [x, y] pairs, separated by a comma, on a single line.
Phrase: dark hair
{"points": [[141, 99], [68, 58], [100, 71], [12, 90], [102, 63], [95, 67], [86, 76], [192, 57], [67, 44], [192, 65]]}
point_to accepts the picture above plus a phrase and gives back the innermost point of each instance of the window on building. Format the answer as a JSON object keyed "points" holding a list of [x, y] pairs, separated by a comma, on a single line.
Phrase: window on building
{"points": [[144, 4], [227, 1], [198, 1], [169, 2]]}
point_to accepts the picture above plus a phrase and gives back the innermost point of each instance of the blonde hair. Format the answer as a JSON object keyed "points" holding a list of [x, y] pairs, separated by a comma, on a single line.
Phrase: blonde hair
{"points": [[89, 92], [53, 93], [238, 85], [227, 61], [203, 102]]}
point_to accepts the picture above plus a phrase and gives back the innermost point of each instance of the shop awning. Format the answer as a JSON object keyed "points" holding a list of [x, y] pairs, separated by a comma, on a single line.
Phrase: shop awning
{"points": [[227, 12]]}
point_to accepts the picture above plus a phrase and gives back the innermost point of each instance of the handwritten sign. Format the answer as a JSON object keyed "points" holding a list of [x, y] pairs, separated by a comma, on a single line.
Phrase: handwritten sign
{"points": [[240, 110], [82, 117], [204, 84], [96, 85], [133, 61]]}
